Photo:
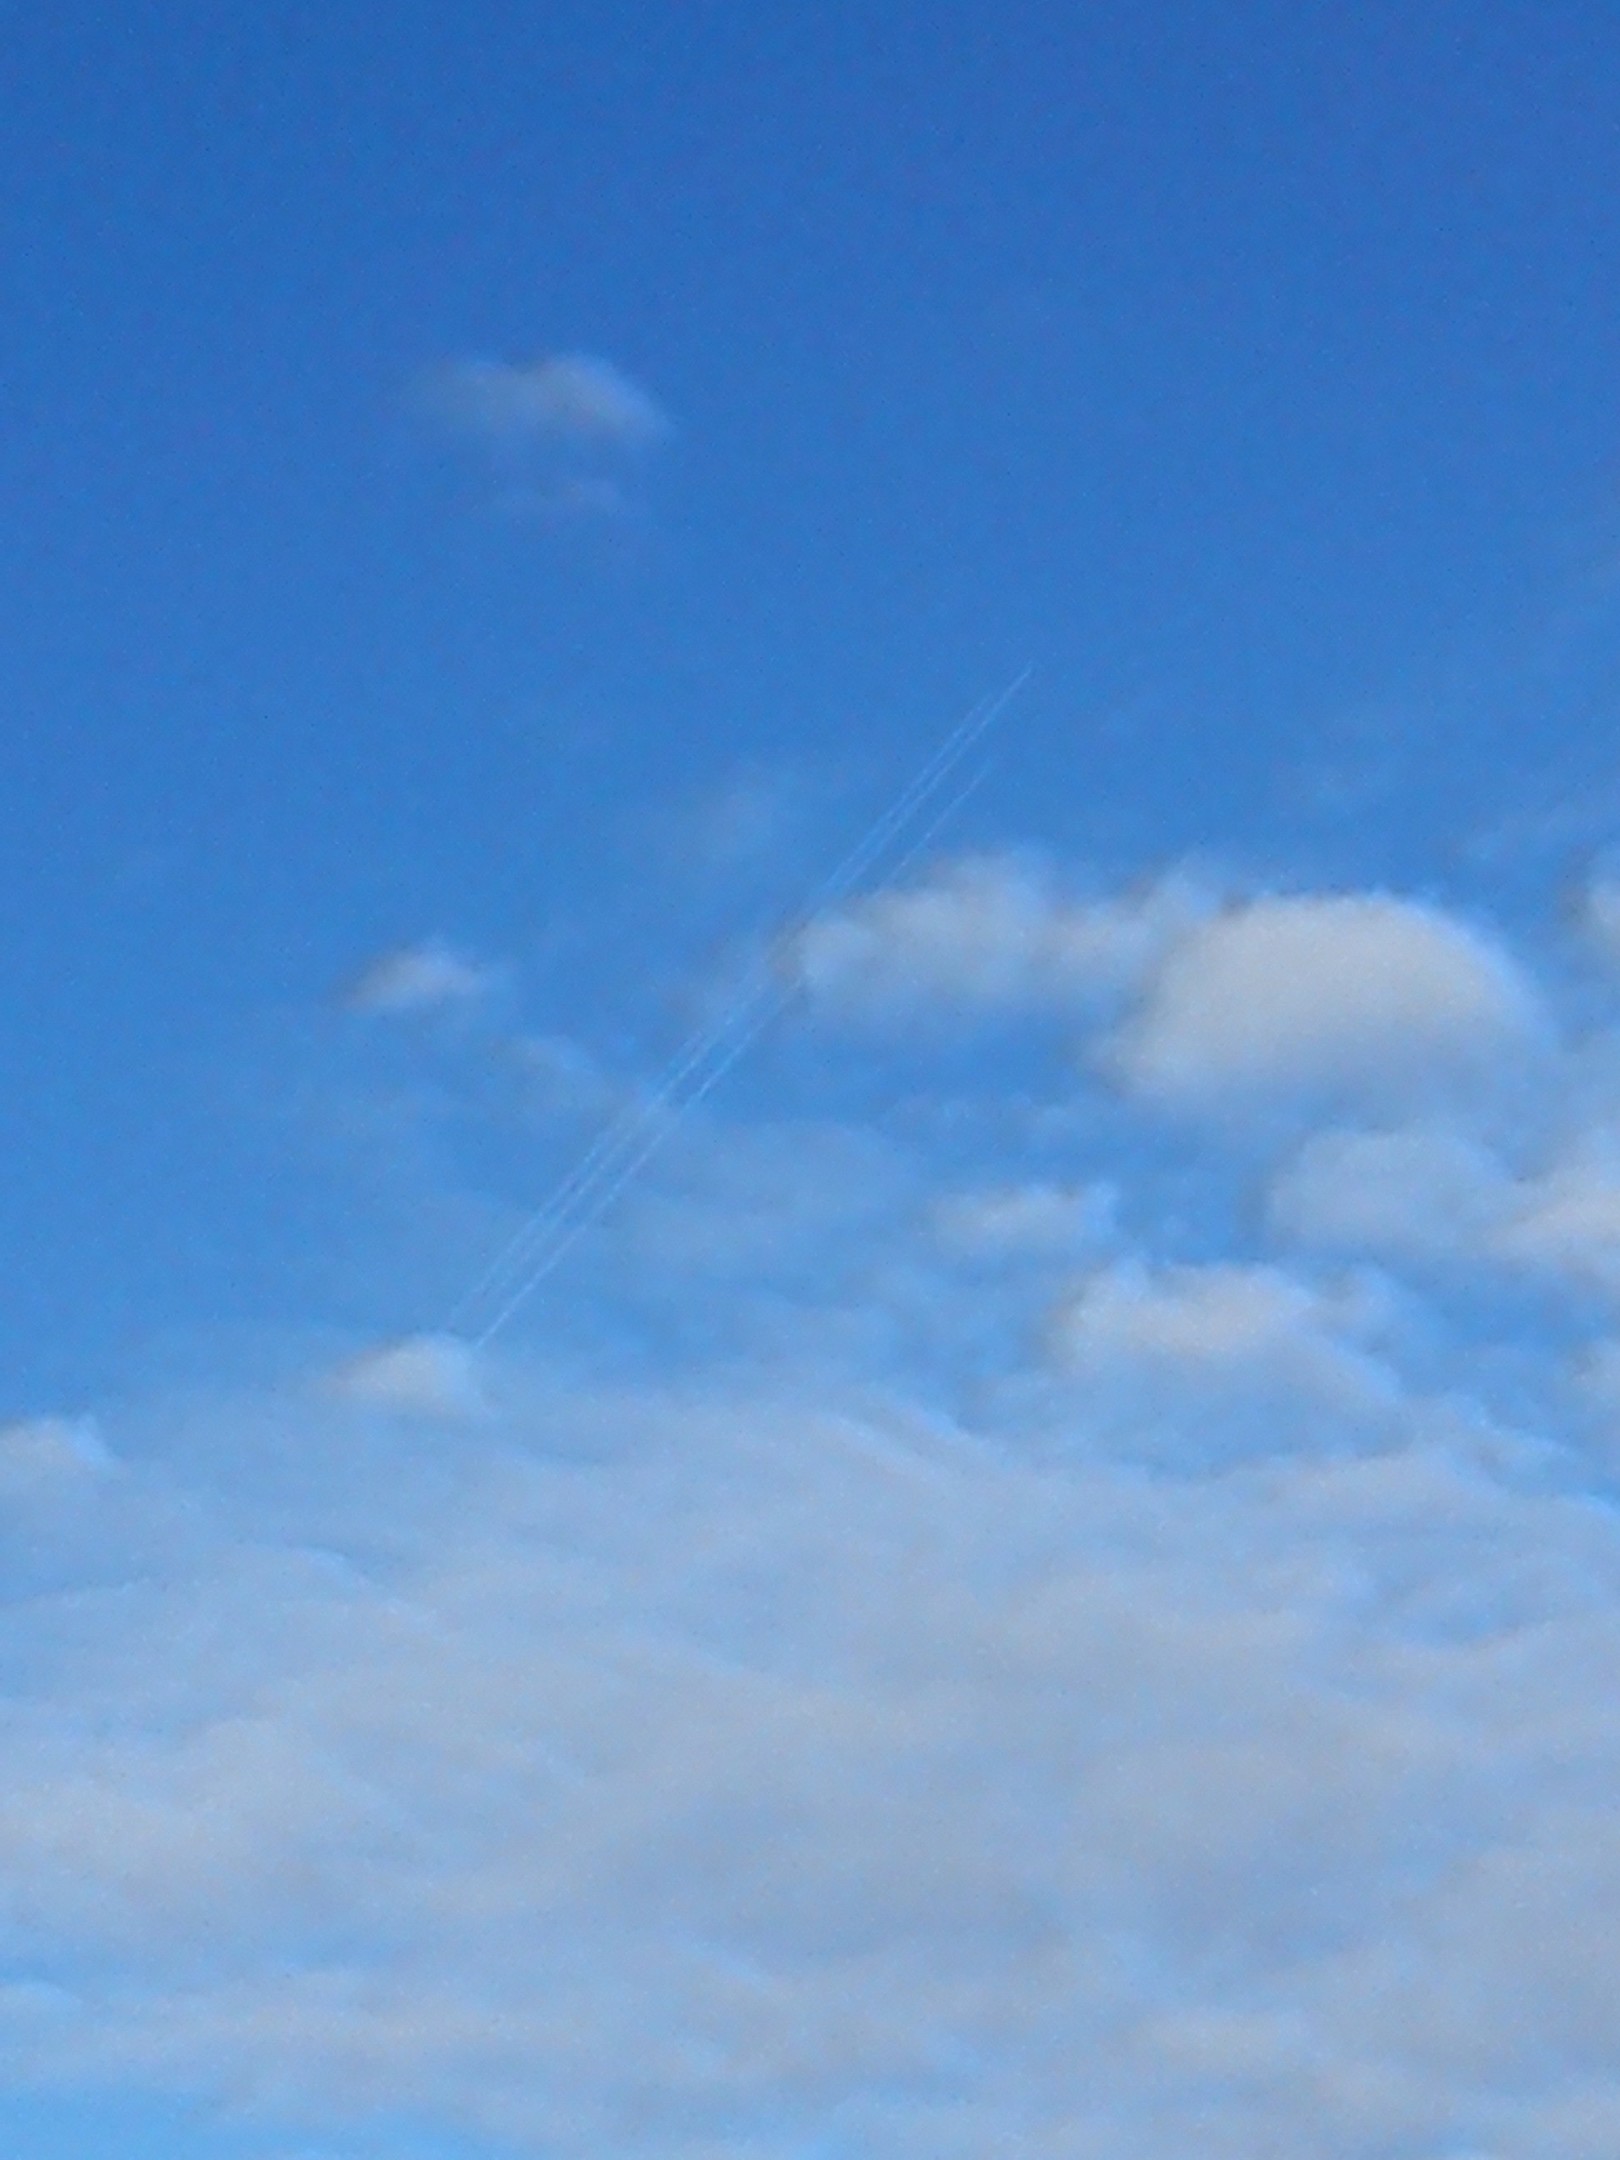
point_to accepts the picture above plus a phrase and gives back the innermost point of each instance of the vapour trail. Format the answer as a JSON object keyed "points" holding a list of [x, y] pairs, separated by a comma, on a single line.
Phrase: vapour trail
{"points": [[569, 1232], [621, 1134], [600, 1159], [621, 1150], [625, 1145]]}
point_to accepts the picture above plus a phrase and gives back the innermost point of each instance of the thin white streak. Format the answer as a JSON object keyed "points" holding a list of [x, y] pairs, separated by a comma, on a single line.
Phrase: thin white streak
{"points": [[626, 1145]]}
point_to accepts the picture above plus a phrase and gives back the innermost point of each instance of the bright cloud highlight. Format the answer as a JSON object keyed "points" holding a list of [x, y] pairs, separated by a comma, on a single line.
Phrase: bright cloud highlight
{"points": [[1354, 994], [984, 935]]}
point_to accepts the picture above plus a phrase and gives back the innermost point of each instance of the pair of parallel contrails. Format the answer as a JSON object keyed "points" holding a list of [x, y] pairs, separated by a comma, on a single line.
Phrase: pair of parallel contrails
{"points": [[538, 1247]]}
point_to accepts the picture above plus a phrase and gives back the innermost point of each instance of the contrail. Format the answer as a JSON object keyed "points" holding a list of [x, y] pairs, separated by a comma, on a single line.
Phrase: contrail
{"points": [[624, 1146], [570, 1231], [601, 1163], [620, 1137], [567, 1233]]}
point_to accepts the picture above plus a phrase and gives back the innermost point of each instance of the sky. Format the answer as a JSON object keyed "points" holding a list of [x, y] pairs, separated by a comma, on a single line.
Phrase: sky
{"points": [[811, 1130]]}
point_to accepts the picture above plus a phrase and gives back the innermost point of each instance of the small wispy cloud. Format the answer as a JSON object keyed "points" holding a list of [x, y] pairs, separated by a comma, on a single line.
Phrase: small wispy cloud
{"points": [[1600, 915], [565, 398], [561, 437], [419, 978]]}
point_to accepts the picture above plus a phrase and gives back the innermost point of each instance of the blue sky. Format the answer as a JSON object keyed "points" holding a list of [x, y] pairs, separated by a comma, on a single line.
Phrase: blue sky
{"points": [[498, 502]]}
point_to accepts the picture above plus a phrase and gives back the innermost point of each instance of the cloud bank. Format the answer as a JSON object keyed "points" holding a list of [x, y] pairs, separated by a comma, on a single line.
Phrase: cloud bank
{"points": [[1114, 1651]]}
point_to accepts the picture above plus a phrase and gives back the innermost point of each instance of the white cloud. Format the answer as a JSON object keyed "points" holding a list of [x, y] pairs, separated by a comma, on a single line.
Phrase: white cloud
{"points": [[1433, 1194], [1204, 1742], [1424, 1192], [420, 978], [426, 1376], [751, 1769], [1004, 1221], [1568, 1218], [572, 399], [1357, 994], [985, 933], [1600, 1372], [1222, 1360], [48, 1469]]}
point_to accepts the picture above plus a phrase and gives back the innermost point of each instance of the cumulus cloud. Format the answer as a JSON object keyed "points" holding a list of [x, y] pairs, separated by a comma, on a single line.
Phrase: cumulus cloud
{"points": [[985, 934], [1568, 1218], [1223, 1360], [1358, 994], [1435, 1194], [751, 1768], [1417, 1192], [1155, 1698], [419, 978], [1360, 997], [573, 399], [1005, 1221], [565, 438], [425, 1376]]}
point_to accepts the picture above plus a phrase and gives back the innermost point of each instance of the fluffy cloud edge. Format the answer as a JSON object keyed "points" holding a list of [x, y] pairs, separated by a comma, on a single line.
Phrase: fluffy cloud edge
{"points": [[1365, 995]]}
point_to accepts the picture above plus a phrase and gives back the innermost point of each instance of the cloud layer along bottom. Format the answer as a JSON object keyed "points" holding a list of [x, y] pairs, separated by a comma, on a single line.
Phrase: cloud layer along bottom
{"points": [[1189, 1729]]}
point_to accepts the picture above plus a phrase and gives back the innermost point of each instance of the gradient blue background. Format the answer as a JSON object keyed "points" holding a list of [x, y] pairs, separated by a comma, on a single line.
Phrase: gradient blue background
{"points": [[1251, 369]]}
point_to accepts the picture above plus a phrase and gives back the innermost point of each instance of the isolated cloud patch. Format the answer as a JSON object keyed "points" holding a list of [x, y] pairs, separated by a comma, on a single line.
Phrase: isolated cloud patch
{"points": [[1600, 915], [419, 978], [564, 399], [1567, 1219], [42, 1455], [564, 437], [1039, 1220], [1358, 994]]}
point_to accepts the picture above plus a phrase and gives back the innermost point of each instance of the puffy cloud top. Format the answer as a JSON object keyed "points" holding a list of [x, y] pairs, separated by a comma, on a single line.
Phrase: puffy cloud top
{"points": [[1601, 915], [984, 934], [1233, 1359], [1359, 992], [1431, 1194]]}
